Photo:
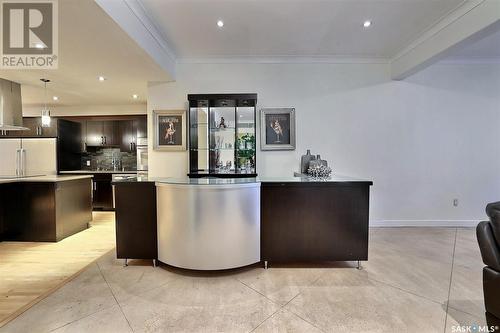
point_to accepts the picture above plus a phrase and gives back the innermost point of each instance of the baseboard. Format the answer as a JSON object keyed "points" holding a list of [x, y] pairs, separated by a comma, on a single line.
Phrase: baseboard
{"points": [[425, 223]]}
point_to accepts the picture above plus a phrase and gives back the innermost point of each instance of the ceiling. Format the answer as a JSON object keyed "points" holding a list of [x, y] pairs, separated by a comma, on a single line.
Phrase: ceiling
{"points": [[487, 48], [306, 28], [90, 44]]}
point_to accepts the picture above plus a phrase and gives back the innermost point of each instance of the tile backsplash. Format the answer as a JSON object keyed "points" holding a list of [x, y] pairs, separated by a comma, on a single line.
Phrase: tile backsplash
{"points": [[109, 159]]}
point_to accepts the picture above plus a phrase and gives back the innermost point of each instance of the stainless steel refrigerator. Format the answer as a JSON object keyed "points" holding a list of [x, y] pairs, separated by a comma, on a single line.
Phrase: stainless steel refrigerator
{"points": [[28, 157]]}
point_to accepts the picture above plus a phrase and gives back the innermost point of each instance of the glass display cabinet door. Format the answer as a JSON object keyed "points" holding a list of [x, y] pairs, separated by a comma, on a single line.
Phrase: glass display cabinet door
{"points": [[222, 136], [199, 145], [245, 139]]}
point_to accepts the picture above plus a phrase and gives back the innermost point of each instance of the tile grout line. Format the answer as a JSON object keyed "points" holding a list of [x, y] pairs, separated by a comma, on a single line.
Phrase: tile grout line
{"points": [[266, 319], [404, 290], [467, 313], [295, 314], [258, 292], [451, 280], [282, 307], [86, 316], [112, 293]]}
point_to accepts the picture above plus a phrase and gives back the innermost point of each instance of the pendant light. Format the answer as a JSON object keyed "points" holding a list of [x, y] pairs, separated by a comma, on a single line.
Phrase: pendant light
{"points": [[45, 110]]}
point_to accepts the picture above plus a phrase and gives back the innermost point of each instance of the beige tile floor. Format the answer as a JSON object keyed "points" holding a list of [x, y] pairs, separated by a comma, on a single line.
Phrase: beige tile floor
{"points": [[416, 280]]}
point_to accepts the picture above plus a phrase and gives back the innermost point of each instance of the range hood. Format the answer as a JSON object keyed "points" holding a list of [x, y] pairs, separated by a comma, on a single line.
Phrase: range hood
{"points": [[11, 113]]}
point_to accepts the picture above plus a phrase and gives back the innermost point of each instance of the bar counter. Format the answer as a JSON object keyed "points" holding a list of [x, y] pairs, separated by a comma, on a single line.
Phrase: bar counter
{"points": [[223, 223]]}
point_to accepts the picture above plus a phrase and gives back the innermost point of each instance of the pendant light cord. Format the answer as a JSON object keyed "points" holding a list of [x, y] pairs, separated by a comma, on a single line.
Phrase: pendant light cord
{"points": [[45, 84]]}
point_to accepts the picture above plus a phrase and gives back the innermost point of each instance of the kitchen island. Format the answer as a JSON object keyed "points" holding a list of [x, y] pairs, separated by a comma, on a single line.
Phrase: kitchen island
{"points": [[44, 208], [213, 223]]}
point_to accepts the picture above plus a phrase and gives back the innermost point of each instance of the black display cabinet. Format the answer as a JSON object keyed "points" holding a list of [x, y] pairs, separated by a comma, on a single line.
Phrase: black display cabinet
{"points": [[222, 132]]}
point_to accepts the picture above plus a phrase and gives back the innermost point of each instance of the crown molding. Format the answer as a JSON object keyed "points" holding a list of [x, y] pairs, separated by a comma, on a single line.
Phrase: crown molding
{"points": [[284, 60], [457, 60], [138, 8], [468, 23], [462, 9], [131, 16]]}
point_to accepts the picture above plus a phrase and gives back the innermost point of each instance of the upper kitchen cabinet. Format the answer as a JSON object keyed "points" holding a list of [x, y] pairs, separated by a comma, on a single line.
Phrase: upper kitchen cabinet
{"points": [[141, 123], [109, 129], [93, 134], [127, 130], [101, 133], [36, 129]]}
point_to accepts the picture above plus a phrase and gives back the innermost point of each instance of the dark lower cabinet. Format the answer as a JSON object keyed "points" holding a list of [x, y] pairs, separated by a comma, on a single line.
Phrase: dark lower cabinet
{"points": [[135, 213], [305, 222], [102, 191], [44, 211]]}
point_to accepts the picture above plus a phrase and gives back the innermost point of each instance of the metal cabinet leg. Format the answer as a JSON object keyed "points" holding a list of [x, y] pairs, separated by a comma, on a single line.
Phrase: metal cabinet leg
{"points": [[359, 265], [265, 264], [154, 262], [125, 264]]}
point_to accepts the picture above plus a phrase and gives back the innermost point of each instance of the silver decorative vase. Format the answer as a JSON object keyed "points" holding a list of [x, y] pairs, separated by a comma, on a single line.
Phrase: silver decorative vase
{"points": [[321, 162], [305, 160]]}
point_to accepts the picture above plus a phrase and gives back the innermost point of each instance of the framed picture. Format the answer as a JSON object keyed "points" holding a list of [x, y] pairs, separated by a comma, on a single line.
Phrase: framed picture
{"points": [[169, 130], [277, 129]]}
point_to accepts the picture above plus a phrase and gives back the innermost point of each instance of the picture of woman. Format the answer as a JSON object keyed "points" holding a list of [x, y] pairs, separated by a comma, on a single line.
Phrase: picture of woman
{"points": [[169, 130], [169, 133], [277, 129]]}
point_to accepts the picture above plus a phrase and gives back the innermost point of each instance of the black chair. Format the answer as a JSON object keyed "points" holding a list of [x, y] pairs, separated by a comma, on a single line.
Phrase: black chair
{"points": [[488, 237]]}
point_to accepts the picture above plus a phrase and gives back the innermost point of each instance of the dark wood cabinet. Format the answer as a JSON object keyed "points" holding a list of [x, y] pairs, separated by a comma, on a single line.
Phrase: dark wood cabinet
{"points": [[45, 211], [35, 128], [127, 131], [94, 133], [109, 133], [141, 124], [101, 133], [69, 136], [102, 191], [304, 222], [136, 220]]}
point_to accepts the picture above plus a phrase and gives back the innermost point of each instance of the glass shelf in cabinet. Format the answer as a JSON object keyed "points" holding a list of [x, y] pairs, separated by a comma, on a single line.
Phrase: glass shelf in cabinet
{"points": [[212, 149], [222, 129]]}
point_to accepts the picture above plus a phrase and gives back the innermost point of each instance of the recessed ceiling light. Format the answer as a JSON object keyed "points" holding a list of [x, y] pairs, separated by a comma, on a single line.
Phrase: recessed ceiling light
{"points": [[101, 78], [55, 98], [367, 24], [220, 23], [135, 96]]}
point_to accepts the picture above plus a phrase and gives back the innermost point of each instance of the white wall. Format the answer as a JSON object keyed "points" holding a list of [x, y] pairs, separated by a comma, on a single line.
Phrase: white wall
{"points": [[423, 141], [86, 110]]}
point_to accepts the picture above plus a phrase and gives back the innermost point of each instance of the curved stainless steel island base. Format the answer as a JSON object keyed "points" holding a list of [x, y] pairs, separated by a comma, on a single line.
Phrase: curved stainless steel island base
{"points": [[208, 224]]}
